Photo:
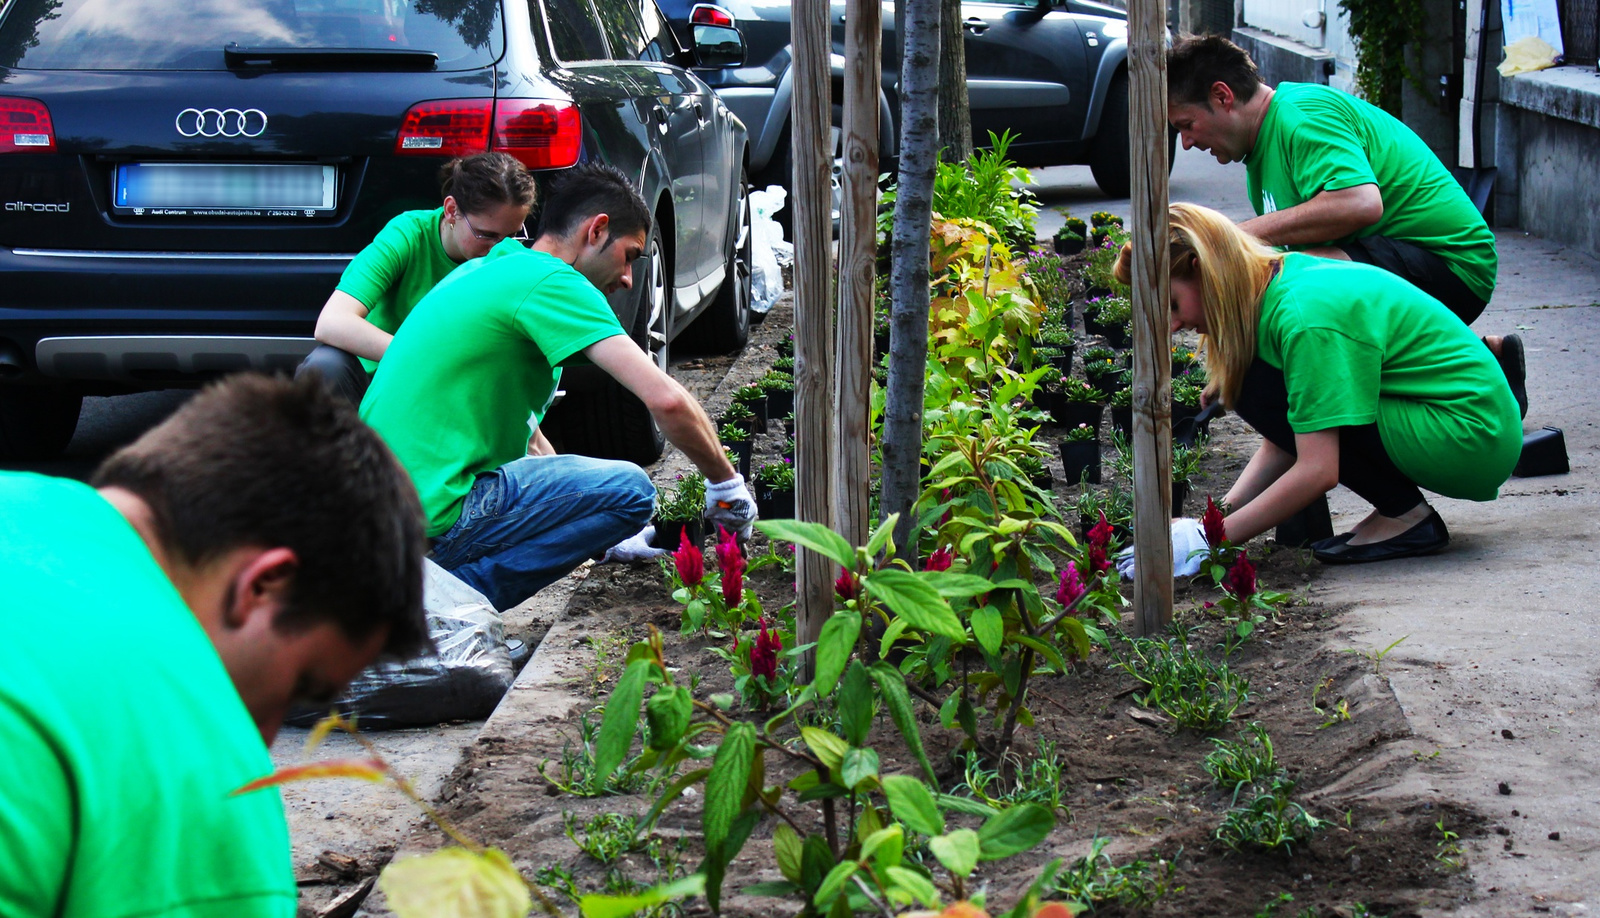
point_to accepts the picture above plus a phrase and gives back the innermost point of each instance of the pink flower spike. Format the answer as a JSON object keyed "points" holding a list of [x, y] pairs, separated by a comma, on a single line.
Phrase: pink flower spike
{"points": [[1071, 586], [847, 586], [1241, 579], [940, 560], [691, 564], [1100, 535], [1216, 533], [730, 561], [764, 655]]}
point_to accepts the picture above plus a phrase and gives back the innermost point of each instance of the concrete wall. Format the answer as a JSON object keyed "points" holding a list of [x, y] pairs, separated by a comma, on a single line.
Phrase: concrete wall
{"points": [[1548, 144]]}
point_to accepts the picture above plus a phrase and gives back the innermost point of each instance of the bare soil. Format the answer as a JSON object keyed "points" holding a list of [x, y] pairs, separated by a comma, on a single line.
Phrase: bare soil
{"points": [[1129, 779]]}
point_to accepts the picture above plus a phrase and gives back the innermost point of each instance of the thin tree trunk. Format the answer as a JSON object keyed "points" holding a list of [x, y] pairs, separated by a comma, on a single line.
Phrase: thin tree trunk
{"points": [[955, 112], [913, 218]]}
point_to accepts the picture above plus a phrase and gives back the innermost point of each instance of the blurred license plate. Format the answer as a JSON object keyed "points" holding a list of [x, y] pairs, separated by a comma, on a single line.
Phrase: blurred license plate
{"points": [[225, 189]]}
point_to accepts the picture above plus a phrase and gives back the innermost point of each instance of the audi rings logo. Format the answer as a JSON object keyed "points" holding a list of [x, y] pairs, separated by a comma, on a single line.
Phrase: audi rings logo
{"points": [[221, 122]]}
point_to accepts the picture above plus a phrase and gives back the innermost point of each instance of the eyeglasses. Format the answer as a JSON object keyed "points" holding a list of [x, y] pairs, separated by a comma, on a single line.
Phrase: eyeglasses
{"points": [[478, 234]]}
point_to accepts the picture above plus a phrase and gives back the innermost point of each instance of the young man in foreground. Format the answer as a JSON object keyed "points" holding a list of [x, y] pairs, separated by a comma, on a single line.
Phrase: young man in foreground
{"points": [[258, 548]]}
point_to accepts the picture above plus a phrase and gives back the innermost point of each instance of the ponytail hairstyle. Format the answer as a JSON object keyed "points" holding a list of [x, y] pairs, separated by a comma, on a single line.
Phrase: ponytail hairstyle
{"points": [[1234, 269], [484, 180]]}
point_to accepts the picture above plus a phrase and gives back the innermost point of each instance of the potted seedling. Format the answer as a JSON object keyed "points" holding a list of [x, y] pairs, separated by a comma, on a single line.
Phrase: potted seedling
{"points": [[1114, 502], [775, 491], [788, 426], [1185, 466], [753, 398], [1183, 359], [1037, 471], [1111, 317], [1122, 410], [1101, 367], [1067, 241], [1077, 404], [680, 512], [739, 414], [785, 346], [1102, 227], [736, 438], [784, 365], [779, 387], [1077, 226], [1060, 340], [1080, 454], [1185, 399]]}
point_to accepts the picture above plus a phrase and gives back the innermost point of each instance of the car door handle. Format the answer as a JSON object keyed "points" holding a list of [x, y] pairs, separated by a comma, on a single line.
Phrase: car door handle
{"points": [[975, 25], [699, 112]]}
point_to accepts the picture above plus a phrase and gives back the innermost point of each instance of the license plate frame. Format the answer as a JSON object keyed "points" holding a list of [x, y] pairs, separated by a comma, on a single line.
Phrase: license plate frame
{"points": [[225, 190]]}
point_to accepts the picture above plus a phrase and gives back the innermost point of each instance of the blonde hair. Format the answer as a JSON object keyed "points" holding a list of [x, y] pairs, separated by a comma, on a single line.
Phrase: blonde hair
{"points": [[1234, 269]]}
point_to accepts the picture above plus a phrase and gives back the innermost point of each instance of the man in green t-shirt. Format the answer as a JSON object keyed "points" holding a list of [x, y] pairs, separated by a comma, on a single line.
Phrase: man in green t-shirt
{"points": [[484, 351], [259, 548], [1334, 176]]}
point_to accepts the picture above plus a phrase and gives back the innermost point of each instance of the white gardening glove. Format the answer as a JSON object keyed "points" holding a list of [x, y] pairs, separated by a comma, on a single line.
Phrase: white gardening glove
{"points": [[1188, 537], [636, 548], [729, 504]]}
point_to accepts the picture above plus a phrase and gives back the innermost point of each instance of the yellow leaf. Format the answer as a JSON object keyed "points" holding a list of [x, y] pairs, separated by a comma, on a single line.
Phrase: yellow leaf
{"points": [[334, 721], [455, 883], [372, 770]]}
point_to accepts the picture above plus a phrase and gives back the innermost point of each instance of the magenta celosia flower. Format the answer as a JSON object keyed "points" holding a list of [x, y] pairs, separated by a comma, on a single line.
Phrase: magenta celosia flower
{"points": [[1241, 579], [764, 655], [847, 586], [690, 562], [730, 561], [940, 560], [1216, 533], [1071, 585], [1100, 533]]}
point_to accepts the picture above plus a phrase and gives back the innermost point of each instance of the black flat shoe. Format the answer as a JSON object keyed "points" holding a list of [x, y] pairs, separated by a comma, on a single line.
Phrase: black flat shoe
{"points": [[1513, 362], [1425, 538], [1332, 541]]}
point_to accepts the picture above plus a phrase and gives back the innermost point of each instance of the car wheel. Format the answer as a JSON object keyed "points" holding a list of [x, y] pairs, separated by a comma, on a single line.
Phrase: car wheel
{"points": [[725, 325], [1111, 160], [36, 422], [611, 422]]}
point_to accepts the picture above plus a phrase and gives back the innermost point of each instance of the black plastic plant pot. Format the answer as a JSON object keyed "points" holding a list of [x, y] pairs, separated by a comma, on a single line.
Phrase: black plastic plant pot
{"points": [[1080, 458], [1181, 413], [1103, 379], [880, 344], [1069, 245], [1071, 414], [780, 403], [1116, 336], [1098, 237], [758, 407], [1063, 364], [1044, 480], [1090, 292], [788, 426], [775, 505], [1048, 402], [669, 533], [1122, 419], [742, 449], [1180, 496], [1544, 452], [1312, 523]]}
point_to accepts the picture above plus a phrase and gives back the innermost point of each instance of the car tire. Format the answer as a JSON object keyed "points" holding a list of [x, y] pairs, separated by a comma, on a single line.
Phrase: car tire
{"points": [[37, 422], [1110, 159], [611, 422], [725, 325]]}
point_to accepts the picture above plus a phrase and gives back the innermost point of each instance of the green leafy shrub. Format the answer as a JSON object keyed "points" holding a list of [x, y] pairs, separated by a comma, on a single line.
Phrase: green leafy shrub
{"points": [[1269, 822]]}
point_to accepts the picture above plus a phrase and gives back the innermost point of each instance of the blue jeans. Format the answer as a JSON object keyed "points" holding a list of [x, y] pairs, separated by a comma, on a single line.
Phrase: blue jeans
{"points": [[531, 521]]}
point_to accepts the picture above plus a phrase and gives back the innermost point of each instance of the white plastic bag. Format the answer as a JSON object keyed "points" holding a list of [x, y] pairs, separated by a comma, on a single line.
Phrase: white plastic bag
{"points": [[462, 680], [768, 248]]}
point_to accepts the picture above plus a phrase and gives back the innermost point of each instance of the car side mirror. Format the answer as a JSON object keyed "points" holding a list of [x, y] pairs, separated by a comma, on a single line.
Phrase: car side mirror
{"points": [[716, 47]]}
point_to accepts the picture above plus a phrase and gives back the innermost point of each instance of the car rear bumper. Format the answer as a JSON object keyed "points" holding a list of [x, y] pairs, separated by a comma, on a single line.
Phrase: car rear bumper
{"points": [[145, 318]]}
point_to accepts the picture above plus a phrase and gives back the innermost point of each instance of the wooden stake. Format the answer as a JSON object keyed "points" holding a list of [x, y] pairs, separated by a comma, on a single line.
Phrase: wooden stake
{"points": [[810, 124], [1152, 356], [858, 229]]}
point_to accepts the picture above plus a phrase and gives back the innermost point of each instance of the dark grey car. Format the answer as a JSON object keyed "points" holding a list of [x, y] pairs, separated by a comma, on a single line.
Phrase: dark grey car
{"points": [[184, 183]]}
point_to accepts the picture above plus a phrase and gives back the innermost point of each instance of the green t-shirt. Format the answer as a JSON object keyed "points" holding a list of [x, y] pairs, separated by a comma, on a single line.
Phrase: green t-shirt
{"points": [[121, 735], [1316, 139], [398, 268], [475, 359], [1357, 344]]}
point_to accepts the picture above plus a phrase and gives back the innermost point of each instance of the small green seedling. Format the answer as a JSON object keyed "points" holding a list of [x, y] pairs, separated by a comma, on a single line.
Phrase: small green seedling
{"points": [[1449, 855], [1190, 689], [1233, 765], [1335, 713], [605, 838], [1376, 656], [1095, 880], [1269, 822]]}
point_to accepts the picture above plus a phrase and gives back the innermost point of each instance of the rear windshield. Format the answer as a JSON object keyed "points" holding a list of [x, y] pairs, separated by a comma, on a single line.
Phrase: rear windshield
{"points": [[190, 35]]}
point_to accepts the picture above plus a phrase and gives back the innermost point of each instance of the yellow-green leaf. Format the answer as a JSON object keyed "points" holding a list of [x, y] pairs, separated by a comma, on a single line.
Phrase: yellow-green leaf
{"points": [[455, 883], [957, 851], [374, 770], [825, 746], [989, 627], [597, 906], [786, 844]]}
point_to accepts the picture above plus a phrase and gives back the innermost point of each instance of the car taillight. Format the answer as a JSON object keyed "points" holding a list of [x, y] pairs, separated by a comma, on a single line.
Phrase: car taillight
{"points": [[445, 127], [707, 14], [542, 133], [25, 126]]}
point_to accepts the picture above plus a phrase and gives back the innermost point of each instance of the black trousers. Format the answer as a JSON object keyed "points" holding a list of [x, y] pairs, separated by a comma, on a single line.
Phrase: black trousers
{"points": [[1364, 465], [341, 371], [1424, 269]]}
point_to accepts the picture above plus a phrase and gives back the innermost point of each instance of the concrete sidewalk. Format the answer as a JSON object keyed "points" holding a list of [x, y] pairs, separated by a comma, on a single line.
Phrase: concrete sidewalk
{"points": [[1496, 674]]}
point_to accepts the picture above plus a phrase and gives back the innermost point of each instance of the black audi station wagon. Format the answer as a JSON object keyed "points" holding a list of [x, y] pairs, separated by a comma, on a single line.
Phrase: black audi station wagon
{"points": [[183, 183]]}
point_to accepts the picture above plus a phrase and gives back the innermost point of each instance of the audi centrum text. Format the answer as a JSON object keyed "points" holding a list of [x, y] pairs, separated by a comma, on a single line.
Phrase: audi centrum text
{"points": [[182, 192]]}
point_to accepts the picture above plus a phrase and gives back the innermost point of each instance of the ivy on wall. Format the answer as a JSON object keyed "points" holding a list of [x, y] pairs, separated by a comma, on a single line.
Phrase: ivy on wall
{"points": [[1383, 31]]}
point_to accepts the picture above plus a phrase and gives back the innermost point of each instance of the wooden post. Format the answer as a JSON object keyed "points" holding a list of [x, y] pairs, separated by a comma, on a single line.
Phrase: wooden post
{"points": [[858, 230], [1152, 356], [811, 123]]}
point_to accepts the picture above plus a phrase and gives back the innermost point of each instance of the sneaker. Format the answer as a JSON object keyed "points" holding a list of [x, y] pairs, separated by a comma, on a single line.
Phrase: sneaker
{"points": [[520, 652], [1514, 363]]}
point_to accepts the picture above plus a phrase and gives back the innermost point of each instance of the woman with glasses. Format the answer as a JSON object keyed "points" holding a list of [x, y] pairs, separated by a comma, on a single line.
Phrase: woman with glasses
{"points": [[1387, 391], [486, 200]]}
